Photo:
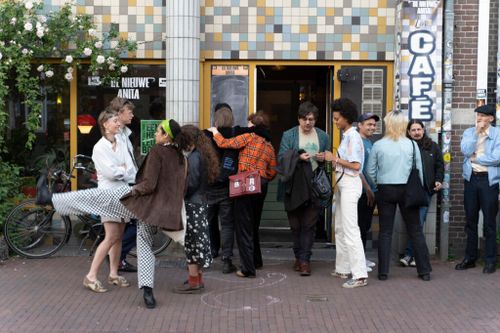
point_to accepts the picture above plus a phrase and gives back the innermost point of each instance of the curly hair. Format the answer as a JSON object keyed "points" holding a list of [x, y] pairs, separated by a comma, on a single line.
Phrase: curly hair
{"points": [[425, 142], [347, 109], [192, 136]]}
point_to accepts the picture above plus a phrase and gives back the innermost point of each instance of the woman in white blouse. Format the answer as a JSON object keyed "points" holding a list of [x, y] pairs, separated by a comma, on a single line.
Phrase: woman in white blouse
{"points": [[348, 165], [115, 168]]}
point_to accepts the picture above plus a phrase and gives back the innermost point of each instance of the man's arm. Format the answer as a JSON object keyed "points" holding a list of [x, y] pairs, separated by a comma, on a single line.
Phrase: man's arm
{"points": [[468, 142]]}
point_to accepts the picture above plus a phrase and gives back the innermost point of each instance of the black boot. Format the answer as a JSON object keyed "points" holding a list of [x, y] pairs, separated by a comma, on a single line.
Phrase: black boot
{"points": [[43, 195], [228, 266], [149, 299]]}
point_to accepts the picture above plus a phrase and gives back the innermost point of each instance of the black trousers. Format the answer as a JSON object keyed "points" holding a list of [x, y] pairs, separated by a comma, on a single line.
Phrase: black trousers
{"points": [[479, 195], [365, 216], [303, 222], [248, 211], [388, 196], [220, 208]]}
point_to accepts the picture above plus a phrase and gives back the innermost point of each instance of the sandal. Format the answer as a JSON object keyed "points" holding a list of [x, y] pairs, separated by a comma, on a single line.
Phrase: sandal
{"points": [[95, 286], [119, 281]]}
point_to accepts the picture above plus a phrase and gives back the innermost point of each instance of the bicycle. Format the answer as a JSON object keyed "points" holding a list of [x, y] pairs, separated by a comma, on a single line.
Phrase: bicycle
{"points": [[35, 231]]}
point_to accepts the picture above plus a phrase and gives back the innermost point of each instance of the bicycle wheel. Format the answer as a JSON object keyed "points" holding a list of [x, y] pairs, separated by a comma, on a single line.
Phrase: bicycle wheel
{"points": [[160, 242], [35, 231]]}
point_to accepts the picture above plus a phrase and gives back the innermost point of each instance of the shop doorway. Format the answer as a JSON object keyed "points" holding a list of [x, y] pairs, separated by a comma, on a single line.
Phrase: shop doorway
{"points": [[280, 90]]}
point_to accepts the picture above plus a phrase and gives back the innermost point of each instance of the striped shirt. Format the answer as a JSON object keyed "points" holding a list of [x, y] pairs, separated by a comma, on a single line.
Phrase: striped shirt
{"points": [[255, 154]]}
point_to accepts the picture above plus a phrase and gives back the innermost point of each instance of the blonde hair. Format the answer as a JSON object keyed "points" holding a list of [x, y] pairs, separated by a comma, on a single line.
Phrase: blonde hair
{"points": [[395, 125], [104, 116], [223, 117]]}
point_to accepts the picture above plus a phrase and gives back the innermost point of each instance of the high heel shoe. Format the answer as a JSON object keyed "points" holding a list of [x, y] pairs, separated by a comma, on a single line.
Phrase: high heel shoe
{"points": [[95, 286]]}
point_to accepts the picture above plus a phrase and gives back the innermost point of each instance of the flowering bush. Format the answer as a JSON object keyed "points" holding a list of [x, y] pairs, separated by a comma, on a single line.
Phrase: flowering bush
{"points": [[31, 38]]}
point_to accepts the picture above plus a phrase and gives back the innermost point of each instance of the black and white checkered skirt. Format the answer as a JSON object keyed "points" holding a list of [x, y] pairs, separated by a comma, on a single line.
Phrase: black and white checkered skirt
{"points": [[105, 203]]}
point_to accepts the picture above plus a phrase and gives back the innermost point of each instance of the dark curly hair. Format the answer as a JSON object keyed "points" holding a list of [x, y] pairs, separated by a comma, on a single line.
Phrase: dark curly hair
{"points": [[192, 135], [347, 109], [425, 142]]}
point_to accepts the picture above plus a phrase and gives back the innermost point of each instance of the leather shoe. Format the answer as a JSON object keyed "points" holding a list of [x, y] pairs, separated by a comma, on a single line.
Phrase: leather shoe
{"points": [[149, 299], [489, 268], [125, 266], [382, 277], [465, 264], [425, 277], [228, 266], [43, 195], [305, 268]]}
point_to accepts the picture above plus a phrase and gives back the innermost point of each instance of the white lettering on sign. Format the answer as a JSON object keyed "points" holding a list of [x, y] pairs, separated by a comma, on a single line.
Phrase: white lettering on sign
{"points": [[422, 74], [128, 93]]}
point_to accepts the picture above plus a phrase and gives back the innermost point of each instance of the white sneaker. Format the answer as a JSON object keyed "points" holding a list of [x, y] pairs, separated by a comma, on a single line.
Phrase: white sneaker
{"points": [[368, 269], [339, 275], [413, 263], [370, 263], [405, 261], [351, 283]]}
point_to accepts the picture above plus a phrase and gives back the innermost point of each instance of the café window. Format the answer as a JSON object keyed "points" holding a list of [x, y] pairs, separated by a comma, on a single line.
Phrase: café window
{"points": [[143, 85], [51, 146]]}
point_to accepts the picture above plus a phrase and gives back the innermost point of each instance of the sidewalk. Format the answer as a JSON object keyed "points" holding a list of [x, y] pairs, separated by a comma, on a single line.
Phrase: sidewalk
{"points": [[47, 296]]}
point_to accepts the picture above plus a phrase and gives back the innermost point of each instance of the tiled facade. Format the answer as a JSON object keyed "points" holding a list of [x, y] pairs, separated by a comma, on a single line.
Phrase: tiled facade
{"points": [[259, 29], [298, 29]]}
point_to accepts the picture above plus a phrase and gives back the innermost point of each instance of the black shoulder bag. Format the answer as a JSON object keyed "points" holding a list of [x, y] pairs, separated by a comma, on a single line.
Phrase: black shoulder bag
{"points": [[415, 194]]}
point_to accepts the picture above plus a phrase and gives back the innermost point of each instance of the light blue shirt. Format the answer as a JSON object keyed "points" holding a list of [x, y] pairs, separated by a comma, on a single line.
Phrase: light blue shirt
{"points": [[390, 161], [490, 158], [352, 150]]}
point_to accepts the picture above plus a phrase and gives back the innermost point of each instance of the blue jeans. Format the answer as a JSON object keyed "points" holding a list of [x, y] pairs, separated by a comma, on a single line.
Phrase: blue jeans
{"points": [[479, 195], [423, 216]]}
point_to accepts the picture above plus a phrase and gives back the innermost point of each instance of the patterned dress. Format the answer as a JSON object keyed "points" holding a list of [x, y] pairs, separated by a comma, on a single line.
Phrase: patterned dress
{"points": [[197, 241]]}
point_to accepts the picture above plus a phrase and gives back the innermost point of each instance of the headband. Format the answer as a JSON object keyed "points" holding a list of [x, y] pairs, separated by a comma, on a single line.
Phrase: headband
{"points": [[166, 127]]}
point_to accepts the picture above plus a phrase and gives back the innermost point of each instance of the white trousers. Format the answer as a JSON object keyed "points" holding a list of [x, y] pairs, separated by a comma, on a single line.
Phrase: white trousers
{"points": [[350, 255]]}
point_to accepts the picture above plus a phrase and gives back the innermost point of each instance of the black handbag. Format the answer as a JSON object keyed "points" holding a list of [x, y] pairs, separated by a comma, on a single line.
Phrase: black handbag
{"points": [[415, 194], [321, 186]]}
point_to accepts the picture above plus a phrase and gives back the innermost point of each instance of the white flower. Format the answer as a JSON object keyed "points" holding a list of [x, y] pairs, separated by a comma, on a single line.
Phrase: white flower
{"points": [[42, 18], [49, 73], [112, 67], [1, 55], [69, 59], [100, 59], [87, 51], [25, 51], [68, 76], [40, 33], [113, 44], [110, 60], [2, 43], [28, 26], [38, 25], [28, 5], [13, 21], [98, 44], [70, 70], [92, 32], [124, 69], [40, 68]]}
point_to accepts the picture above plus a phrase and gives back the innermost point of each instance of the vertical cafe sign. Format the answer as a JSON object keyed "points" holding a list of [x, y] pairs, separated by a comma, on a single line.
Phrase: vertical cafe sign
{"points": [[417, 85]]}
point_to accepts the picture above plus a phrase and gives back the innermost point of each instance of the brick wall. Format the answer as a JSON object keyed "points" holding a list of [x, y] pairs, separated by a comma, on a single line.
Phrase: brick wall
{"points": [[464, 98], [465, 53], [492, 57]]}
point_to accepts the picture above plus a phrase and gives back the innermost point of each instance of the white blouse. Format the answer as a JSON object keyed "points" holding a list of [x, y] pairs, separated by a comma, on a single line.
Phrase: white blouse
{"points": [[114, 167]]}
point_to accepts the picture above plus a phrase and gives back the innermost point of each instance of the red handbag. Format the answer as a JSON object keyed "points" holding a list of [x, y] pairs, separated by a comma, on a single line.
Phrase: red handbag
{"points": [[244, 183]]}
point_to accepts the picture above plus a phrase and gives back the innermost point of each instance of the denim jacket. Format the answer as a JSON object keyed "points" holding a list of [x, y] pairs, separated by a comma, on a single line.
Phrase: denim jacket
{"points": [[491, 157]]}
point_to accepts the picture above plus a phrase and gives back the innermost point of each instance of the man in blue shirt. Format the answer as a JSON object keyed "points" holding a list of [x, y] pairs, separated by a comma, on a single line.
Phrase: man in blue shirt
{"points": [[367, 124], [481, 171]]}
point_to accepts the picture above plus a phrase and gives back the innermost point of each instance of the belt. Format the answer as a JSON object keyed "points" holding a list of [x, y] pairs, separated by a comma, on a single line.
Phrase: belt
{"points": [[480, 174]]}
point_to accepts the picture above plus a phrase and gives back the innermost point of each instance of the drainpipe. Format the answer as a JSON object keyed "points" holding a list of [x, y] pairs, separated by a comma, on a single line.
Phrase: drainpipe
{"points": [[183, 61], [482, 54], [449, 18]]}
